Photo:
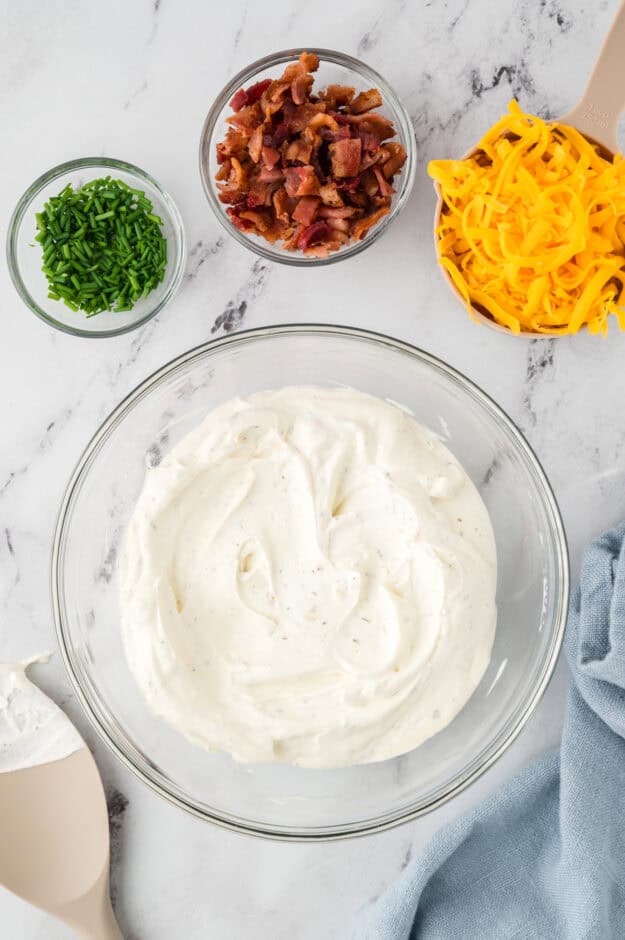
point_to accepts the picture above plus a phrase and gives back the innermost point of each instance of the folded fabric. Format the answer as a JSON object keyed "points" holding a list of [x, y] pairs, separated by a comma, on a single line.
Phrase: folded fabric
{"points": [[544, 858]]}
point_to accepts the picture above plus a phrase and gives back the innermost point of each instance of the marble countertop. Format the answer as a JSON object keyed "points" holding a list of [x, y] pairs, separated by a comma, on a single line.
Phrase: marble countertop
{"points": [[134, 80]]}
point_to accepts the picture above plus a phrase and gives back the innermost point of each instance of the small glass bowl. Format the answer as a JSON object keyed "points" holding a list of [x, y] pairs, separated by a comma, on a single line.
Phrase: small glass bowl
{"points": [[276, 800], [335, 68], [24, 253]]}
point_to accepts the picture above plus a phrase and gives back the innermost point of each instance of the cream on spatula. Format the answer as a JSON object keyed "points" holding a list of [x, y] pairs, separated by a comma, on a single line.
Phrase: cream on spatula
{"points": [[54, 835]]}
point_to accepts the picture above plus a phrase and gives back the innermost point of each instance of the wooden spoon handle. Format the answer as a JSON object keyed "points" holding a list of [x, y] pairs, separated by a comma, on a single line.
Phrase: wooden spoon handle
{"points": [[603, 101]]}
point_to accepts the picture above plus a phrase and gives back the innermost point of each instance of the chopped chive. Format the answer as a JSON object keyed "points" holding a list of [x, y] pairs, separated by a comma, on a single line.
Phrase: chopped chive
{"points": [[102, 246]]}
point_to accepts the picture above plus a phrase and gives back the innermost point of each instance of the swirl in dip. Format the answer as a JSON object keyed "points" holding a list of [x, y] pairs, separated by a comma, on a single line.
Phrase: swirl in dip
{"points": [[308, 577]]}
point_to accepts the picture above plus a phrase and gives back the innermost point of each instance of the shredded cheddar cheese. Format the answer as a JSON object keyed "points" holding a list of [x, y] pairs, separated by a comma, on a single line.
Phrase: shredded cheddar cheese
{"points": [[532, 231]]}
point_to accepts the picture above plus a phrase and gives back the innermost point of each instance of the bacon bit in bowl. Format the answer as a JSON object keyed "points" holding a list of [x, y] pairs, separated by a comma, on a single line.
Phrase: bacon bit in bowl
{"points": [[311, 172]]}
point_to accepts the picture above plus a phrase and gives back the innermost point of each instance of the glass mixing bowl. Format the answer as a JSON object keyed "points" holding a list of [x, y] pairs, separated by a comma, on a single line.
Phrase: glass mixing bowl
{"points": [[272, 799], [335, 68]]}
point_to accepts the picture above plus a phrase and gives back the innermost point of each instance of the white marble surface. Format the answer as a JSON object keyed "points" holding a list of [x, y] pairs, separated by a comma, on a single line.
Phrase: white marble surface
{"points": [[134, 80]]}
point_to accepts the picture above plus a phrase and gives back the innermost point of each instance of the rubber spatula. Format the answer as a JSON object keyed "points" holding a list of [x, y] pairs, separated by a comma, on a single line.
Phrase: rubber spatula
{"points": [[54, 842]]}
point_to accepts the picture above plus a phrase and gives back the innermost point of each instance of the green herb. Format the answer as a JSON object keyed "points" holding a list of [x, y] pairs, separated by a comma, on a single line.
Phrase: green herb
{"points": [[102, 246]]}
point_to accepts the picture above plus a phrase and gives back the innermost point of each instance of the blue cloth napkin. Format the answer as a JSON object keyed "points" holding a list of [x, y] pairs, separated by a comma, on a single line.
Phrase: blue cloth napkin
{"points": [[544, 857]]}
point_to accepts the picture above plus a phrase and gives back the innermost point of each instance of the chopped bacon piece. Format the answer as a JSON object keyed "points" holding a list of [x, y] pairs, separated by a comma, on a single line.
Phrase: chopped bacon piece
{"points": [[312, 171], [224, 170], [340, 94], [359, 199], [301, 117], [261, 193], [310, 61], [394, 158], [391, 149], [276, 92], [370, 143], [369, 183], [246, 96], [280, 134], [259, 219], [243, 224], [385, 187], [270, 156], [370, 159], [322, 120], [319, 171], [288, 110], [345, 156], [274, 234], [256, 195], [307, 62], [300, 88], [312, 137], [238, 100], [274, 98], [291, 239], [317, 232], [337, 212], [374, 124], [233, 145], [246, 118], [231, 197], [372, 152], [270, 176], [306, 209], [255, 145], [255, 92], [299, 151], [350, 185], [282, 205], [301, 181], [362, 226], [236, 179], [330, 196], [339, 225], [341, 133], [366, 100]]}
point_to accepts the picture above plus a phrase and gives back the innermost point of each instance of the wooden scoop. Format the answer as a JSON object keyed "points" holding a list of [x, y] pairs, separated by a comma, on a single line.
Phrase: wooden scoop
{"points": [[596, 116], [54, 842]]}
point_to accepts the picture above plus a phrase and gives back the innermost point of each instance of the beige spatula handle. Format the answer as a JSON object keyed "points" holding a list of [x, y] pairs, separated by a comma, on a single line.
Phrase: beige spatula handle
{"points": [[105, 928], [92, 915], [603, 100]]}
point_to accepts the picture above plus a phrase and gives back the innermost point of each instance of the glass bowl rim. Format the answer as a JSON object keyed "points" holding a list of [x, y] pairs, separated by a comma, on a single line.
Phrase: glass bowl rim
{"points": [[337, 58], [485, 759], [24, 204]]}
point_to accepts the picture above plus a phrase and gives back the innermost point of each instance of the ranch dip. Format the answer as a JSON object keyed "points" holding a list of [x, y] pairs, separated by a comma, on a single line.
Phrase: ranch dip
{"points": [[308, 577]]}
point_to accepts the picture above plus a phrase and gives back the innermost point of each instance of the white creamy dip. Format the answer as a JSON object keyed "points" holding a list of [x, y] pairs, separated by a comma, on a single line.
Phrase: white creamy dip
{"points": [[33, 730], [308, 577]]}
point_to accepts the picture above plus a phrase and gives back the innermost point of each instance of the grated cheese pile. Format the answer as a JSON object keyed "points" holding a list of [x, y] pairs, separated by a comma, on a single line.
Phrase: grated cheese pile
{"points": [[532, 231]]}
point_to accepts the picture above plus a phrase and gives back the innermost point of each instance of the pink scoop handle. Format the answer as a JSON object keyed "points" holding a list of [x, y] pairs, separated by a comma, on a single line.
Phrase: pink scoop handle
{"points": [[603, 101]]}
